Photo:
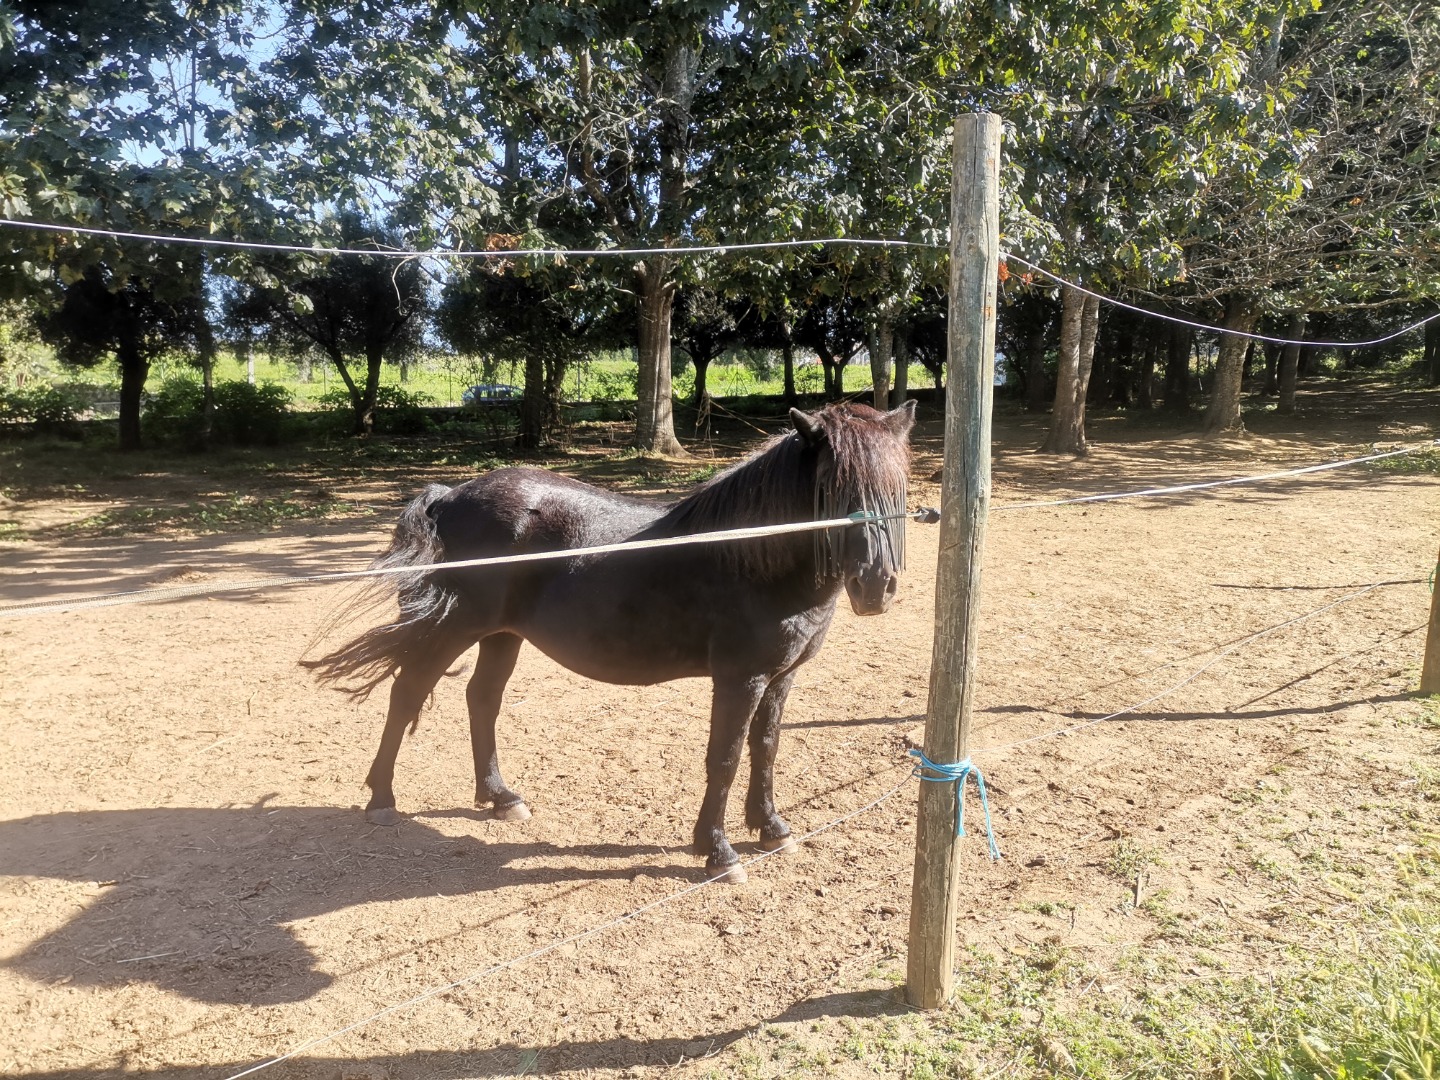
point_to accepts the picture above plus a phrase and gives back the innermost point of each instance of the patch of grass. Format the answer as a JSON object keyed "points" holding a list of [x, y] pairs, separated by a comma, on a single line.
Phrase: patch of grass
{"points": [[1422, 462], [1429, 714], [1377, 1019], [1427, 780], [226, 514], [1129, 858], [1051, 908], [1370, 1011]]}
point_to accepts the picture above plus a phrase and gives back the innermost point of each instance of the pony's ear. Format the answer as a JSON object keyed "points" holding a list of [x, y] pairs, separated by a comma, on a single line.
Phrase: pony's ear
{"points": [[901, 420], [809, 428]]}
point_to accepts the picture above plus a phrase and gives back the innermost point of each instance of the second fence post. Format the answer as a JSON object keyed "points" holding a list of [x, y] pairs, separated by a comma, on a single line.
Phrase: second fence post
{"points": [[1430, 670], [965, 495]]}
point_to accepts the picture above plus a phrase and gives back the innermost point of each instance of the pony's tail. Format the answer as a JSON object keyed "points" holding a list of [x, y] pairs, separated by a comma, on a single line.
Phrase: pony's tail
{"points": [[360, 665]]}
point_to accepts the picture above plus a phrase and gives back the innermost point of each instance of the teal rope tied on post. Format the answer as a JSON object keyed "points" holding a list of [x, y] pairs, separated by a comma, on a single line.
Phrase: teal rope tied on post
{"points": [[957, 774]]}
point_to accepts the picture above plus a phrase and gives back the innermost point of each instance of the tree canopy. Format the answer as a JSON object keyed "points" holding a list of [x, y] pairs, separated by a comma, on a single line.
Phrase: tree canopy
{"points": [[1233, 162]]}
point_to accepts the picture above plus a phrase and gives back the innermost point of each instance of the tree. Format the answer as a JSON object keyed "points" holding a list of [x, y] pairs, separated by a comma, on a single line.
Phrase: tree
{"points": [[351, 307], [103, 315], [704, 327], [541, 318]]}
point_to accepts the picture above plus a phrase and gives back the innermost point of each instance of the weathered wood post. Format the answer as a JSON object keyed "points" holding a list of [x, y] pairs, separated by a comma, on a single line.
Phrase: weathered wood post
{"points": [[1430, 672], [965, 494]]}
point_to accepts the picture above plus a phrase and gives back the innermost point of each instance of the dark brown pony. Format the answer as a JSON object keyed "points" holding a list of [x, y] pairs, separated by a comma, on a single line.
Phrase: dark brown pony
{"points": [[747, 613]]}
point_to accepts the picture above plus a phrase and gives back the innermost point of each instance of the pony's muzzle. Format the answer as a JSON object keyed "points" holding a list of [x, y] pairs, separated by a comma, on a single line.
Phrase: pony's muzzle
{"points": [[871, 594]]}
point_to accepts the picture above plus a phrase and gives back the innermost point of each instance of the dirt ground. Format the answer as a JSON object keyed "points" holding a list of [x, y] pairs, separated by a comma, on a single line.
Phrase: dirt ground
{"points": [[189, 887]]}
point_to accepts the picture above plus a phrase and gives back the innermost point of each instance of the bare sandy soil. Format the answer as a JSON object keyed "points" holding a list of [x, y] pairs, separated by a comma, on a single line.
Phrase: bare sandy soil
{"points": [[189, 888]]}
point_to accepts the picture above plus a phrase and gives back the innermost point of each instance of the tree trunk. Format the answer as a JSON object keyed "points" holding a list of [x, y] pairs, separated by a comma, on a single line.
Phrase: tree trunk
{"points": [[1290, 362], [834, 369], [207, 395], [1122, 361], [702, 370], [1102, 368], [1145, 394], [532, 405], [365, 422], [1432, 352], [1222, 415], [882, 342], [1036, 386], [1079, 320], [654, 411], [655, 286], [1177, 370], [901, 389], [787, 356], [1272, 370], [134, 369]]}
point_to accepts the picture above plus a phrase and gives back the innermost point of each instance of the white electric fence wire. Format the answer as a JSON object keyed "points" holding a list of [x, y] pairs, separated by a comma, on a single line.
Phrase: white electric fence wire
{"points": [[180, 592], [1180, 488], [692, 249], [1194, 674], [142, 596], [543, 950], [1210, 328], [462, 253]]}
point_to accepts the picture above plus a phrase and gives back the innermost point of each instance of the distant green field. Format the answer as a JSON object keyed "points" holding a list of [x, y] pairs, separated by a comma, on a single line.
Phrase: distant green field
{"points": [[442, 379]]}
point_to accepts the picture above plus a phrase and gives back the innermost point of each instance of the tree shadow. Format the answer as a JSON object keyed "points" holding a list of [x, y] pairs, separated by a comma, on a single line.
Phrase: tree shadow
{"points": [[196, 901], [513, 1059]]}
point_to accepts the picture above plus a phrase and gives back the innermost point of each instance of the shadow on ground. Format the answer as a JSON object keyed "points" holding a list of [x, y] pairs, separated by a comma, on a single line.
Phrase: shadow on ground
{"points": [[512, 1059], [196, 901]]}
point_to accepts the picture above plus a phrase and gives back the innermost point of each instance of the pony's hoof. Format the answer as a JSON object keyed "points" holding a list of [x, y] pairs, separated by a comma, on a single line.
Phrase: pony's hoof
{"points": [[514, 812], [784, 844], [734, 874], [383, 815]]}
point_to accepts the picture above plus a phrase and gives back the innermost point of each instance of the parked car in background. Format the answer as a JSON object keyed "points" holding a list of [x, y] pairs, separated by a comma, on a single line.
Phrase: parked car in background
{"points": [[487, 394]]}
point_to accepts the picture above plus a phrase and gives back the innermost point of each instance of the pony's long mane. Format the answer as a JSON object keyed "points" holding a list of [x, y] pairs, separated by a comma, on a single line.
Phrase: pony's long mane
{"points": [[860, 464]]}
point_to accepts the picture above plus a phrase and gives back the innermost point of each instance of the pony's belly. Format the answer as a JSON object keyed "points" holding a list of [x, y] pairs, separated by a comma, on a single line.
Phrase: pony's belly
{"points": [[623, 667]]}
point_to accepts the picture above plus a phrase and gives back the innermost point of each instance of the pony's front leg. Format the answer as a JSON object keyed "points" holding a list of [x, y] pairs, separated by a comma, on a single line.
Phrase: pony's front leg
{"points": [[731, 707], [483, 696], [764, 739]]}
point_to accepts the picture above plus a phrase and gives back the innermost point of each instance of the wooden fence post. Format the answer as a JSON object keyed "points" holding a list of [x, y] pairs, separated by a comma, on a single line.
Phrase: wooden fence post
{"points": [[965, 494], [1430, 673]]}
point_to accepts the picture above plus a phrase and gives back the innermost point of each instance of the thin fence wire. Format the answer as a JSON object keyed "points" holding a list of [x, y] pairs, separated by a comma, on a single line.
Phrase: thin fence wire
{"points": [[1178, 489], [629, 916], [471, 253], [533, 954], [182, 592], [177, 592], [1229, 649], [685, 249], [1210, 328]]}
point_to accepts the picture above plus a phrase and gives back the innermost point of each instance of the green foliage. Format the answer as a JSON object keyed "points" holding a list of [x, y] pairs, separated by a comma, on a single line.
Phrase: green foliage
{"points": [[48, 409], [236, 511], [245, 415], [397, 411], [1376, 1021], [175, 415], [251, 415]]}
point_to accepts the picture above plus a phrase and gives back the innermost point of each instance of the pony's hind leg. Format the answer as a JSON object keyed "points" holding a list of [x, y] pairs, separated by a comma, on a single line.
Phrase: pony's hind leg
{"points": [[483, 695], [412, 686], [764, 739]]}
